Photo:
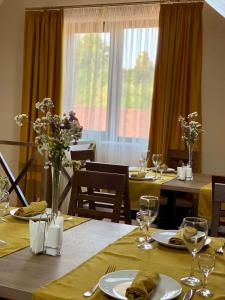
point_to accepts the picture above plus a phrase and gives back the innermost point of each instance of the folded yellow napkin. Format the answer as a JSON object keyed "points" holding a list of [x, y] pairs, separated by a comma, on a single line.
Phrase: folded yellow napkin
{"points": [[142, 286], [33, 209], [177, 239], [138, 175]]}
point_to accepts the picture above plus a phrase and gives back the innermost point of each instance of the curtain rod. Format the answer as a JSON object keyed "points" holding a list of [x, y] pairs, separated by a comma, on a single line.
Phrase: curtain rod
{"points": [[115, 4]]}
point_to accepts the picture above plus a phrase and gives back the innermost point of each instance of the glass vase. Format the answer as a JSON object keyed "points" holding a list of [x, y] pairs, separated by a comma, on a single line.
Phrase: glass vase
{"points": [[56, 175], [190, 154]]}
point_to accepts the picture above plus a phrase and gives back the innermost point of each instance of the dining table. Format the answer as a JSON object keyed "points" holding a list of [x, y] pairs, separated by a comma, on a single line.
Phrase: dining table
{"points": [[89, 247], [170, 185]]}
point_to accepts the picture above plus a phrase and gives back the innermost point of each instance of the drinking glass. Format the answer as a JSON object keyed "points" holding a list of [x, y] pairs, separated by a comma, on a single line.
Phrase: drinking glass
{"points": [[161, 169], [156, 160], [4, 204], [206, 263], [144, 158], [149, 207], [194, 233], [139, 218]]}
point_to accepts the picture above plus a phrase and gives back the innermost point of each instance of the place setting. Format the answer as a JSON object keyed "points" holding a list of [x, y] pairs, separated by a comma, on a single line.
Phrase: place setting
{"points": [[192, 236], [130, 284], [153, 173]]}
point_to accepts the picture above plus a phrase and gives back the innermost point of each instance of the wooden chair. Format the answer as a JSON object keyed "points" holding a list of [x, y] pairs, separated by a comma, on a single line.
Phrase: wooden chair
{"points": [[76, 154], [177, 157], [85, 203], [83, 156], [218, 198], [119, 169]]}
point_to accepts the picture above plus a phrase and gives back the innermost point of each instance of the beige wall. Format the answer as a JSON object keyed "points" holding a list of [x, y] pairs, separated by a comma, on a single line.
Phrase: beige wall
{"points": [[213, 92], [213, 85]]}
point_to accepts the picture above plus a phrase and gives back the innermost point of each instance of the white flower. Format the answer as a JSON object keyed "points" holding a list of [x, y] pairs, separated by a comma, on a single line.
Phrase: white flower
{"points": [[191, 129], [54, 133]]}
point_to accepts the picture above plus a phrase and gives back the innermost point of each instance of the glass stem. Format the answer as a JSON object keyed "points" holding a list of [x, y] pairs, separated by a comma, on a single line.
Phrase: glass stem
{"points": [[204, 281], [193, 255], [147, 233]]}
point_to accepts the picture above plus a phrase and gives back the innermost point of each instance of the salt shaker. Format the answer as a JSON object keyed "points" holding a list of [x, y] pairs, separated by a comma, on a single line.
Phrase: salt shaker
{"points": [[189, 175]]}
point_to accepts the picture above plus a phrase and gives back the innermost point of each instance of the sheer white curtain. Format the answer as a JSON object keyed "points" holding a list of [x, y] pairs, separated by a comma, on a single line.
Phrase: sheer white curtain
{"points": [[109, 62], [218, 5]]}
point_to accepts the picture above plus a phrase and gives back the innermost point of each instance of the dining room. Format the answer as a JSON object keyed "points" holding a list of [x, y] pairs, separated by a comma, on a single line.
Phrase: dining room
{"points": [[112, 179]]}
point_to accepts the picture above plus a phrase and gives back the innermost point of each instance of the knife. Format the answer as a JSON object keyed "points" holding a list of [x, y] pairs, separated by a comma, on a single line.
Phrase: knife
{"points": [[189, 294]]}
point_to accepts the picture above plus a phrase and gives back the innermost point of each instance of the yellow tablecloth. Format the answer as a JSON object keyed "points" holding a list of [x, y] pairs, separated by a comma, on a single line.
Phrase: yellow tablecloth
{"points": [[125, 254], [16, 233], [205, 202], [138, 188]]}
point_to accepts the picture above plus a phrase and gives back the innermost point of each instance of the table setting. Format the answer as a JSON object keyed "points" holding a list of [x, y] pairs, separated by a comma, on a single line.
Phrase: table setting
{"points": [[169, 263], [166, 266], [155, 272]]}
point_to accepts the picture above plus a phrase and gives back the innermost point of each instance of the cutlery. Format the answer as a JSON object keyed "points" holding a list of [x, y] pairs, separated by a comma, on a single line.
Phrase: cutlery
{"points": [[189, 294], [90, 292], [220, 249]]}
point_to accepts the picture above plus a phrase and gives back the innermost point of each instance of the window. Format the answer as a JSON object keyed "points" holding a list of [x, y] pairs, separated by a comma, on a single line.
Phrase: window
{"points": [[108, 81]]}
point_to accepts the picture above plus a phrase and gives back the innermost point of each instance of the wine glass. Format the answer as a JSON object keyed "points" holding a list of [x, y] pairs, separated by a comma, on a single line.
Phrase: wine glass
{"points": [[161, 169], [139, 218], [149, 207], [4, 204], [194, 233], [156, 160], [144, 158], [206, 263]]}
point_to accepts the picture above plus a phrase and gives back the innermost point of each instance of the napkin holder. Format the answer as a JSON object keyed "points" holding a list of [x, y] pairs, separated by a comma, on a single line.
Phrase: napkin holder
{"points": [[53, 241], [46, 237], [181, 173], [37, 231], [189, 175]]}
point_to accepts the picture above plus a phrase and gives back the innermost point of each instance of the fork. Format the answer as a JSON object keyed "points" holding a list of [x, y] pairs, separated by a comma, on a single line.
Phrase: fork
{"points": [[220, 249], [90, 292]]}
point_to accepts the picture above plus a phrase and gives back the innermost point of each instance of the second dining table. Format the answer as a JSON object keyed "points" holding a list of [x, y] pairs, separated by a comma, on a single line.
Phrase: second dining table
{"points": [[89, 246], [200, 186]]}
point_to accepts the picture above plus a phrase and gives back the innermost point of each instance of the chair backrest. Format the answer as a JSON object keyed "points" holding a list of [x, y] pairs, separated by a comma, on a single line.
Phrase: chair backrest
{"points": [[88, 154], [119, 169], [218, 198], [96, 180], [217, 179], [177, 157]]}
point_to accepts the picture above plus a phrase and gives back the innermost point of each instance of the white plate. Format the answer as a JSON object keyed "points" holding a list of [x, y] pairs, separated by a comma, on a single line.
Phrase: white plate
{"points": [[134, 169], [168, 170], [38, 217], [163, 237], [115, 285], [147, 177]]}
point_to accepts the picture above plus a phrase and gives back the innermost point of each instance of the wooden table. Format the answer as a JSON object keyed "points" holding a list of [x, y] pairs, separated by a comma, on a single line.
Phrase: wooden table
{"points": [[170, 190], [193, 186], [175, 185], [22, 272]]}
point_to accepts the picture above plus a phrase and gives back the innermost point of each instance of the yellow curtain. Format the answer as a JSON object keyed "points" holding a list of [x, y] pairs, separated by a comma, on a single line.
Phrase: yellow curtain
{"points": [[177, 86], [41, 78]]}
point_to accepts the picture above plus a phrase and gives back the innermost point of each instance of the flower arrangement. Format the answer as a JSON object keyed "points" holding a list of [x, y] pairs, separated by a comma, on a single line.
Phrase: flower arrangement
{"points": [[54, 133], [191, 128], [54, 136], [4, 186]]}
